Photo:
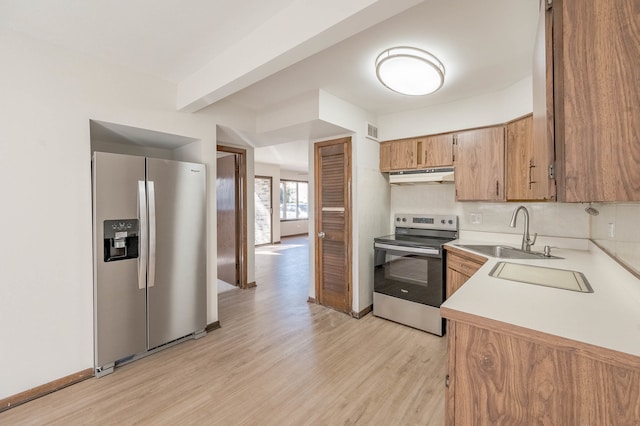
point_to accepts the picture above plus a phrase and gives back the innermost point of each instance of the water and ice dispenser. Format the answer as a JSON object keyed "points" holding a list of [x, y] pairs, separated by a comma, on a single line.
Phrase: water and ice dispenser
{"points": [[121, 239]]}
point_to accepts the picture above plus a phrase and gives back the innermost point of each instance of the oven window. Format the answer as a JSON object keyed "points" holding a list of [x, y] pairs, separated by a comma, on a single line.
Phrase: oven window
{"points": [[408, 269], [410, 276]]}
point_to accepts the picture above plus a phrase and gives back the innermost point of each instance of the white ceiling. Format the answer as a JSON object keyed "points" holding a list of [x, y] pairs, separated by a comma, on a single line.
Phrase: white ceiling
{"points": [[485, 45], [170, 39]]}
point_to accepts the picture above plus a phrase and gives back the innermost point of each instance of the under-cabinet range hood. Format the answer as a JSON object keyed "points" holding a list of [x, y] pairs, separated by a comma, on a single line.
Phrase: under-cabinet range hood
{"points": [[438, 175]]}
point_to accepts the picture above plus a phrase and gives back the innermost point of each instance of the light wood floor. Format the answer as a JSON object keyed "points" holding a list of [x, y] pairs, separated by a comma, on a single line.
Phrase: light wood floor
{"points": [[276, 360]]}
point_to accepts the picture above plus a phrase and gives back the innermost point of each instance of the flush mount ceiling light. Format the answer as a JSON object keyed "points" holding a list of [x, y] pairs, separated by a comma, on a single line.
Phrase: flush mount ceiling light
{"points": [[409, 71]]}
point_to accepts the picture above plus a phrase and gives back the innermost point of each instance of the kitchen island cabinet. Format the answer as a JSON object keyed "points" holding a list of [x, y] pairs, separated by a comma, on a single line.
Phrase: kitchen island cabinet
{"points": [[479, 164], [587, 97]]}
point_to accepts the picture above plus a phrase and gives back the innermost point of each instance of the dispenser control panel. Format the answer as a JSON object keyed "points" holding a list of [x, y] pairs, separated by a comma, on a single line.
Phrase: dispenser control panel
{"points": [[120, 239]]}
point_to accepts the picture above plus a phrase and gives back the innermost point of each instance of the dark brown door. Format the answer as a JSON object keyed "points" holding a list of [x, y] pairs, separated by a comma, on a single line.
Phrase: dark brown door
{"points": [[333, 223], [227, 202]]}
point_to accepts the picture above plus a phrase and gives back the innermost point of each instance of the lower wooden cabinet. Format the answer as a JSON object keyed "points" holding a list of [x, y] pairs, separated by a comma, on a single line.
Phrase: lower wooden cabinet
{"points": [[497, 375], [460, 266]]}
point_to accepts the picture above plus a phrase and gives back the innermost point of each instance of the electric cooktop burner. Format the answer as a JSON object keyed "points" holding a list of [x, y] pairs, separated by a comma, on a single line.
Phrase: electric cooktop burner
{"points": [[422, 230]]}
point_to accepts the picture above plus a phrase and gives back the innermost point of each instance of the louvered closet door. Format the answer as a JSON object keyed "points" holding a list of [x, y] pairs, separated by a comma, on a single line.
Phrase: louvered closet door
{"points": [[332, 223]]}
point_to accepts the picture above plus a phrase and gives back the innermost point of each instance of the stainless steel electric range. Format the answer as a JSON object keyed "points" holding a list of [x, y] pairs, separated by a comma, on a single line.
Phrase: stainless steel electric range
{"points": [[409, 275]]}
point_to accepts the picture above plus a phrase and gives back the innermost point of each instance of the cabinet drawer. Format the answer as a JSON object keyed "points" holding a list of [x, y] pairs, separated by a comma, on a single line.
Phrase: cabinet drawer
{"points": [[462, 264]]}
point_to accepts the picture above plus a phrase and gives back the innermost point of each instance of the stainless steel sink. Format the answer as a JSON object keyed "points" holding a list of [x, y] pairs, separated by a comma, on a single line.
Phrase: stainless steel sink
{"points": [[549, 277], [505, 252]]}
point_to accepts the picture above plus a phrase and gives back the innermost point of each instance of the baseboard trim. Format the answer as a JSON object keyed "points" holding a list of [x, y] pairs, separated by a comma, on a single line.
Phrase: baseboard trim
{"points": [[45, 389], [294, 235], [362, 313], [353, 314], [213, 326], [252, 284]]}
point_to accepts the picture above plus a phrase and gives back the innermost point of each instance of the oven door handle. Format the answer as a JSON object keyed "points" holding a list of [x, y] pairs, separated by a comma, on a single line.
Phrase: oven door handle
{"points": [[416, 250]]}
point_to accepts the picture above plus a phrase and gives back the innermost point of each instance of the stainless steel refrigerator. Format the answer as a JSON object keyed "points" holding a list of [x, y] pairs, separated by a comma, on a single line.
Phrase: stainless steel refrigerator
{"points": [[149, 255]]}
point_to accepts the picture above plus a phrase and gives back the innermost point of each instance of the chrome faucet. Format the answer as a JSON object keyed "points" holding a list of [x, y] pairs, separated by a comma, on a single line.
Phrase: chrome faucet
{"points": [[527, 242]]}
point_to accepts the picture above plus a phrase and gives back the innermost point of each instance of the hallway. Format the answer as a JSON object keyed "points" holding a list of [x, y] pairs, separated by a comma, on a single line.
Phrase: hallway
{"points": [[275, 360]]}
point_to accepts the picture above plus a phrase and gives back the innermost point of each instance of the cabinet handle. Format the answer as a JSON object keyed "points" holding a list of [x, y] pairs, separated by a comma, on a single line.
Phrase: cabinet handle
{"points": [[497, 188], [531, 166]]}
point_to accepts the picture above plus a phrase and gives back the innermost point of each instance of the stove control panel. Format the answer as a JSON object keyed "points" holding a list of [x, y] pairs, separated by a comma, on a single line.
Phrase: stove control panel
{"points": [[426, 221]]}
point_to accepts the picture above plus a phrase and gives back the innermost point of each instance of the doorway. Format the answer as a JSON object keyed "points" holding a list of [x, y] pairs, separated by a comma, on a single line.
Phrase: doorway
{"points": [[264, 211], [333, 223], [231, 201]]}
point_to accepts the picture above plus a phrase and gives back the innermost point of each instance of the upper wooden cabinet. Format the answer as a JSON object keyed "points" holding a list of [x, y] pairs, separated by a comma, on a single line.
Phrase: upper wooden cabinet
{"points": [[385, 156], [479, 164], [416, 153], [435, 151], [398, 155], [593, 82], [526, 166]]}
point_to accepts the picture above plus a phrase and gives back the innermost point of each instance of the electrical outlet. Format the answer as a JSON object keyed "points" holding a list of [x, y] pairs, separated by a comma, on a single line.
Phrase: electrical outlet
{"points": [[476, 218], [612, 230]]}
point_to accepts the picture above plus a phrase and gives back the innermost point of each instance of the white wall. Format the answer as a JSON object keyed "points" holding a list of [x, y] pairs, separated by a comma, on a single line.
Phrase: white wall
{"points": [[549, 219], [294, 227], [130, 149], [491, 108], [623, 240], [48, 98], [370, 195]]}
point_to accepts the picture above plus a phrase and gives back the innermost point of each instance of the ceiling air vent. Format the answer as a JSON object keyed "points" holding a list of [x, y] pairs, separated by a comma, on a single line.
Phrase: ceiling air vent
{"points": [[372, 132]]}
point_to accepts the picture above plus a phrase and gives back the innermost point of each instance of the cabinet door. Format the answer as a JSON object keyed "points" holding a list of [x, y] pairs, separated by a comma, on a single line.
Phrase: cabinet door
{"points": [[436, 151], [404, 154], [398, 155], [543, 115], [597, 99], [385, 156], [520, 161], [455, 280], [498, 378], [459, 269], [479, 165]]}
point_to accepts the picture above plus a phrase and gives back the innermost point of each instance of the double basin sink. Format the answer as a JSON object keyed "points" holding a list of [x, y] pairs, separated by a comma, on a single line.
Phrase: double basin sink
{"points": [[530, 274]]}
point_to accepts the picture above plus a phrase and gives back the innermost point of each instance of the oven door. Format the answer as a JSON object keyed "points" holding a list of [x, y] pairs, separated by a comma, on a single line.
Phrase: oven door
{"points": [[410, 273]]}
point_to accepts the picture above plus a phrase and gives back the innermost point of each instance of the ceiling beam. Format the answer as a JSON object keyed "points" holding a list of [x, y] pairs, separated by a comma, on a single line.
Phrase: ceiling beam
{"points": [[302, 29]]}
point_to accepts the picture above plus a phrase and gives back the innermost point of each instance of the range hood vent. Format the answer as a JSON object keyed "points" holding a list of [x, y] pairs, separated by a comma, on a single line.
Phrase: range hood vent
{"points": [[438, 175]]}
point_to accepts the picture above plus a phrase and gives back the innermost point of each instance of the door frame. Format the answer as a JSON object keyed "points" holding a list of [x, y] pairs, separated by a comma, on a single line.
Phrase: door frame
{"points": [[241, 212], [271, 204], [318, 219]]}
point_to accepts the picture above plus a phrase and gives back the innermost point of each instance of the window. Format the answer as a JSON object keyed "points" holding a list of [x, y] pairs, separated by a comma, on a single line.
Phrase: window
{"points": [[294, 200]]}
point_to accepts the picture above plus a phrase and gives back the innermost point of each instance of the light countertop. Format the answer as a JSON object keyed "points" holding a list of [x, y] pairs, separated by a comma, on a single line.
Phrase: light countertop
{"points": [[609, 317]]}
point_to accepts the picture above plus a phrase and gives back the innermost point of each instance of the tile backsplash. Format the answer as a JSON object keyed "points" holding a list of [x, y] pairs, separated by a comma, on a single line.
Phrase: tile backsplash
{"points": [[550, 219], [617, 229]]}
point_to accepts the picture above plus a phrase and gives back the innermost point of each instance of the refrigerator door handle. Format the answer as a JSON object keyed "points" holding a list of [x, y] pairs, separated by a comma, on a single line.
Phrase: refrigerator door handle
{"points": [[142, 214], [152, 234]]}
